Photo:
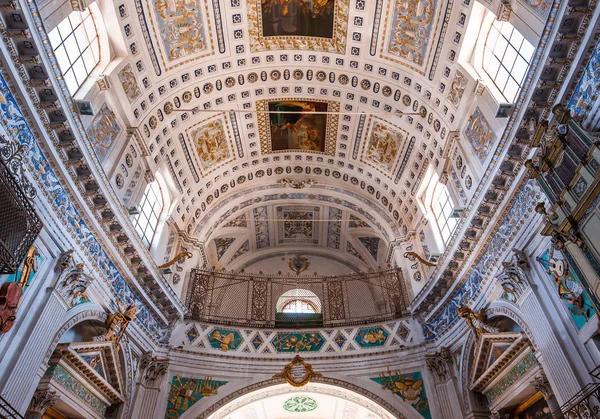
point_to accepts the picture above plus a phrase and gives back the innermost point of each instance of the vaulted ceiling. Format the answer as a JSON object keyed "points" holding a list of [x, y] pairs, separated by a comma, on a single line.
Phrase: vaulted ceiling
{"points": [[279, 124]]}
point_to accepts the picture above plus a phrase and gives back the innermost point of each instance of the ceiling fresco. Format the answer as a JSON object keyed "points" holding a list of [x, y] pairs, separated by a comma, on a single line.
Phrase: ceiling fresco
{"points": [[273, 230]]}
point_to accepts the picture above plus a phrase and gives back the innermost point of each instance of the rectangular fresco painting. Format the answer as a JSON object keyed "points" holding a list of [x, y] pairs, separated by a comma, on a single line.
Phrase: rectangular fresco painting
{"points": [[294, 126], [298, 18], [568, 286]]}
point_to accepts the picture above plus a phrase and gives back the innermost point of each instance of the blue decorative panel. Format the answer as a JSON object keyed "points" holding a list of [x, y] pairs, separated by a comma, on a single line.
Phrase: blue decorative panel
{"points": [[334, 228], [225, 339], [192, 333], [410, 388], [372, 245], [587, 89], [340, 339], [298, 342], [222, 244], [570, 290], [62, 376], [509, 226], [371, 337], [261, 227], [184, 392]]}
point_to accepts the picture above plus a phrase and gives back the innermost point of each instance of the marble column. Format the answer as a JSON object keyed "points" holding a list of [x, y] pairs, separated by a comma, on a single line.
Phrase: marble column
{"points": [[40, 402], [147, 389], [440, 366]]}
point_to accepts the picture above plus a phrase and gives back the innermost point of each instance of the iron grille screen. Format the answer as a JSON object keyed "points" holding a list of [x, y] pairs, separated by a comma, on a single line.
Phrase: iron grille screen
{"points": [[19, 224], [218, 296]]}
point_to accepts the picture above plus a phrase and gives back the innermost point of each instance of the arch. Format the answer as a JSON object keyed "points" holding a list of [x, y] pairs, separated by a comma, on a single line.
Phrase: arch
{"points": [[252, 392], [296, 297]]}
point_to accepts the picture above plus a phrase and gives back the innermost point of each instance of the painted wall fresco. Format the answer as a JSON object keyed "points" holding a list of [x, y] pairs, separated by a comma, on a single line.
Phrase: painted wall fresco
{"points": [[370, 337], [184, 392], [225, 339], [480, 135], [181, 27], [298, 342], [372, 245], [103, 131], [300, 130], [587, 89], [410, 388], [20, 133], [298, 17], [569, 289]]}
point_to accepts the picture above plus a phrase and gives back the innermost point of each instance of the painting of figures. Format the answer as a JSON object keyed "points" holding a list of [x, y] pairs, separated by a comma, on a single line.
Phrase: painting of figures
{"points": [[312, 18], [295, 125]]}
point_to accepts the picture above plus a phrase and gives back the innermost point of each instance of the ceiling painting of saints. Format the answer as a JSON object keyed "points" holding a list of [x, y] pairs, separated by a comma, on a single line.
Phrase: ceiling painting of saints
{"points": [[298, 18], [295, 125]]}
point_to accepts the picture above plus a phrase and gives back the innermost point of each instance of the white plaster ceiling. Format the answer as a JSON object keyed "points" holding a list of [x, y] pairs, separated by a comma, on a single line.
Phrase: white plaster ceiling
{"points": [[203, 76]]}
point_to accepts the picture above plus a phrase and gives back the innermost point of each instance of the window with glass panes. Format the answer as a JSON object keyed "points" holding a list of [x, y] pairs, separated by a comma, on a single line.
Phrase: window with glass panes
{"points": [[77, 47], [506, 57], [150, 208], [442, 209], [298, 306]]}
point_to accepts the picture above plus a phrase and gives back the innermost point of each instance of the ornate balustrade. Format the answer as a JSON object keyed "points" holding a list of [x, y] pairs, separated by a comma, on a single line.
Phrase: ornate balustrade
{"points": [[19, 224], [231, 298]]}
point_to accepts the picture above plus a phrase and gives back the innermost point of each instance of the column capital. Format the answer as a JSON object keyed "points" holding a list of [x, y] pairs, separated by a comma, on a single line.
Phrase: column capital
{"points": [[152, 369], [540, 383], [40, 402], [440, 364]]}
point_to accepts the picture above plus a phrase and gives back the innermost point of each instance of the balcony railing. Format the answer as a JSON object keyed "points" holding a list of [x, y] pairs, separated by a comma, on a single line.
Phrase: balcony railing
{"points": [[218, 296], [19, 224]]}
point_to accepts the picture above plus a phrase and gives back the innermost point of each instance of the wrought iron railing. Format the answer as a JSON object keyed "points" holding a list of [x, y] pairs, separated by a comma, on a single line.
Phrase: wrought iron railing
{"points": [[223, 297], [19, 224], [7, 411]]}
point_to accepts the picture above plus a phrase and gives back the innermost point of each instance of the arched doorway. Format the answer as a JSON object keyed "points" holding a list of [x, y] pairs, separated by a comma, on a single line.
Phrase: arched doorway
{"points": [[315, 401]]}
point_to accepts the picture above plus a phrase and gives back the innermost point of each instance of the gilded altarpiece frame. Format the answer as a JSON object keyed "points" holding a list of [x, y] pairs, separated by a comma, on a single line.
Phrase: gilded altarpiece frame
{"points": [[334, 44], [329, 137]]}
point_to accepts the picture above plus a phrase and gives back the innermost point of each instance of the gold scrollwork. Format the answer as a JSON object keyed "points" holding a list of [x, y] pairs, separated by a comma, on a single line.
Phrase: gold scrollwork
{"points": [[288, 375]]}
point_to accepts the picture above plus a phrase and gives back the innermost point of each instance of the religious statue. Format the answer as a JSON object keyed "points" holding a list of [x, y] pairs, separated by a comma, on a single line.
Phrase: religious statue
{"points": [[116, 323], [476, 320]]}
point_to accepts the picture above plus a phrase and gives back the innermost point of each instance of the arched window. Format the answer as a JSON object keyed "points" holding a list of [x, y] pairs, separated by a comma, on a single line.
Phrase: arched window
{"points": [[442, 208], [77, 47], [150, 208], [299, 301], [506, 57], [299, 306]]}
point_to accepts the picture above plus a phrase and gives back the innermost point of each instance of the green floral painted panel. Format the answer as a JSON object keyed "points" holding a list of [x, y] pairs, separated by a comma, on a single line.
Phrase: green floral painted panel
{"points": [[225, 339], [64, 378], [518, 371], [300, 404], [298, 342], [371, 337], [185, 392], [410, 388]]}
